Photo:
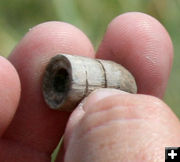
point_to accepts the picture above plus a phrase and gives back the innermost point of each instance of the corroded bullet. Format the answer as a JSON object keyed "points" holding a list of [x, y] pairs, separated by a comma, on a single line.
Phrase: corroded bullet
{"points": [[68, 79]]}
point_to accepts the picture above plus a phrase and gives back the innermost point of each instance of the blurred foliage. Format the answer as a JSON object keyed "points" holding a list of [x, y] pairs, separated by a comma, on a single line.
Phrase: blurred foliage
{"points": [[92, 17]]}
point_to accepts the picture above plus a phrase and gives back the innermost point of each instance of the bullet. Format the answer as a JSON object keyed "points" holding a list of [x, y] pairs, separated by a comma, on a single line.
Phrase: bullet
{"points": [[68, 79]]}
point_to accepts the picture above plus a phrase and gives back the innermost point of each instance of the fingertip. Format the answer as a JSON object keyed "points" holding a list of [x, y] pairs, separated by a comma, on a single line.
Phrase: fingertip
{"points": [[141, 44], [55, 37], [47, 40], [9, 93]]}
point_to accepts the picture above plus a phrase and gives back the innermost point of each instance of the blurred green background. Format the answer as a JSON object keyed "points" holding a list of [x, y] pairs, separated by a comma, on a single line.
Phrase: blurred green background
{"points": [[92, 17]]}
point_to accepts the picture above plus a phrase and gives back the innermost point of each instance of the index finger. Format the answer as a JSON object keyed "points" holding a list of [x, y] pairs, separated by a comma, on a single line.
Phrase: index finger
{"points": [[35, 124]]}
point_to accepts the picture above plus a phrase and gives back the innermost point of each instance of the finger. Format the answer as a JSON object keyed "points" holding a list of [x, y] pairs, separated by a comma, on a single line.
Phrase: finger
{"points": [[142, 45], [9, 93], [35, 124], [122, 127]]}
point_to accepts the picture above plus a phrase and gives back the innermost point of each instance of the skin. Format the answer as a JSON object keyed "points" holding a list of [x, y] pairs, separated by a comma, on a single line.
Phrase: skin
{"points": [[108, 124]]}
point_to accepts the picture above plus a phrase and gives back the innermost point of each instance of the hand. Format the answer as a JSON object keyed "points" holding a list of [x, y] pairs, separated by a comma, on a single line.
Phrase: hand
{"points": [[110, 125]]}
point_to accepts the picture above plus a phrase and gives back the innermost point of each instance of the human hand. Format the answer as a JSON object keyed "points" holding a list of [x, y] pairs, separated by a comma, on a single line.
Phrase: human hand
{"points": [[110, 125]]}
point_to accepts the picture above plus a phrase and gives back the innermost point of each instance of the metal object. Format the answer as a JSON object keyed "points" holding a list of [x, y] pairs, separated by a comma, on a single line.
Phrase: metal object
{"points": [[68, 79]]}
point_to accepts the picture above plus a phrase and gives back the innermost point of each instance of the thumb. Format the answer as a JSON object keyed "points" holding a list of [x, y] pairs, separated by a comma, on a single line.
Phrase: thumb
{"points": [[115, 126]]}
